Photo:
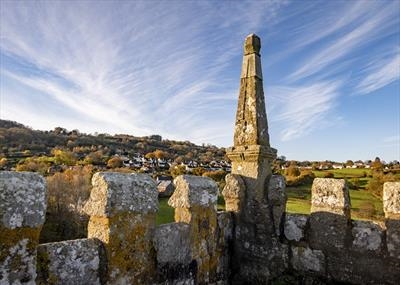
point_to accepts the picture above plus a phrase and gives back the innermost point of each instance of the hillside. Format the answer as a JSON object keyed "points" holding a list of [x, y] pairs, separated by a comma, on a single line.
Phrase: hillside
{"points": [[18, 141]]}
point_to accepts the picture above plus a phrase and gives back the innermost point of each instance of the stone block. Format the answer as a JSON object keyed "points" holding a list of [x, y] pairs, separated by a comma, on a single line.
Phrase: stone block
{"points": [[304, 259], [115, 193], [330, 213], [22, 213], [367, 236], [22, 199], [277, 198], [393, 237], [330, 195], [172, 243], [223, 247], [194, 191], [329, 231], [355, 268], [70, 262], [277, 190], [251, 66], [233, 192], [252, 44], [391, 200], [123, 211], [165, 188], [295, 226]]}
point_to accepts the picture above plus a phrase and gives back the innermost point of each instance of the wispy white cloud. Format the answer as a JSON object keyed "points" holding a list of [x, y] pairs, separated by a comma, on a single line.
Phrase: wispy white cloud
{"points": [[300, 110], [379, 21], [125, 72], [380, 74]]}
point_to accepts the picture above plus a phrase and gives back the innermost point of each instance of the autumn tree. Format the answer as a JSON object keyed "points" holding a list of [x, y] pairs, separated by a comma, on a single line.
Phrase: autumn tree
{"points": [[62, 156], [292, 170], [67, 194], [377, 165], [149, 155], [34, 164], [177, 170], [3, 162], [95, 158], [114, 162]]}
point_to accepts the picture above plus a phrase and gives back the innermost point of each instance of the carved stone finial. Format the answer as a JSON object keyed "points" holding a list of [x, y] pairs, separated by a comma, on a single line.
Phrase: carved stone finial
{"points": [[252, 44]]}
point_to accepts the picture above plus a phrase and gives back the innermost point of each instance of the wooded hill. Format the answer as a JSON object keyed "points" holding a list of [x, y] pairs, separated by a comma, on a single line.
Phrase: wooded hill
{"points": [[18, 141]]}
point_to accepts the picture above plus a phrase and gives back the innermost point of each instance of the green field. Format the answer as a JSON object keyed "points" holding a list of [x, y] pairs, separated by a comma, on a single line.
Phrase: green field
{"points": [[364, 205]]}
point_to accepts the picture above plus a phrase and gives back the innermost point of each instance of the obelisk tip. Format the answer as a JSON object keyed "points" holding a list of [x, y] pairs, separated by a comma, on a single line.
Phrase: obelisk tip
{"points": [[252, 44]]}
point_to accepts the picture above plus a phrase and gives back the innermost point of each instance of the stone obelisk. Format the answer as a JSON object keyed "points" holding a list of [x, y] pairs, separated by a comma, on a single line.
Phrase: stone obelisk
{"points": [[246, 191], [251, 154]]}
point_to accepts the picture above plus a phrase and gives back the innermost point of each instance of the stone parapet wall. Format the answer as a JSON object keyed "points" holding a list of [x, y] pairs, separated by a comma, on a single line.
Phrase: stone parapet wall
{"points": [[328, 245], [126, 247]]}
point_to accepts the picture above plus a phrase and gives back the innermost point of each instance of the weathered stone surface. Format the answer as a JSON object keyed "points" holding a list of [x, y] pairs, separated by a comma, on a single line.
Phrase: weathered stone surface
{"points": [[330, 195], [277, 200], [367, 236], [306, 259], [115, 193], [252, 44], [277, 190], [393, 237], [127, 240], [194, 191], [251, 66], [122, 209], [165, 188], [233, 192], [22, 213], [261, 263], [295, 226], [223, 253], [329, 231], [330, 213], [172, 243], [18, 256], [22, 199], [70, 262], [391, 199], [257, 259], [195, 203], [351, 268]]}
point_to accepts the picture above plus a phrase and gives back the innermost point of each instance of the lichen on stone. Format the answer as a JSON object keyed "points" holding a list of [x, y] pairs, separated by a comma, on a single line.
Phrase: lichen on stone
{"points": [[194, 191], [22, 199]]}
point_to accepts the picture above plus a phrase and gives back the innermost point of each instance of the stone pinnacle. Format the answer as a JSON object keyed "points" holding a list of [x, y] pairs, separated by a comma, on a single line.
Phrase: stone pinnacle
{"points": [[252, 44]]}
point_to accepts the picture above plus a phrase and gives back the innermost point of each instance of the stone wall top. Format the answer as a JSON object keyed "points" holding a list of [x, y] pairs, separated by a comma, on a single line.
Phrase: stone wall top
{"points": [[194, 191], [391, 199], [330, 195], [70, 262], [22, 199], [115, 193]]}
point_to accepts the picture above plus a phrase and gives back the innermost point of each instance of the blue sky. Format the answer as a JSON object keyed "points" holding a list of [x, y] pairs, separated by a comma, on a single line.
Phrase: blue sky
{"points": [[331, 71]]}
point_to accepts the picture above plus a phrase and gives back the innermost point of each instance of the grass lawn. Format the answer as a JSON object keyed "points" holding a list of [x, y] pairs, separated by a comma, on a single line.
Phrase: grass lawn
{"points": [[363, 204], [165, 213], [344, 173]]}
